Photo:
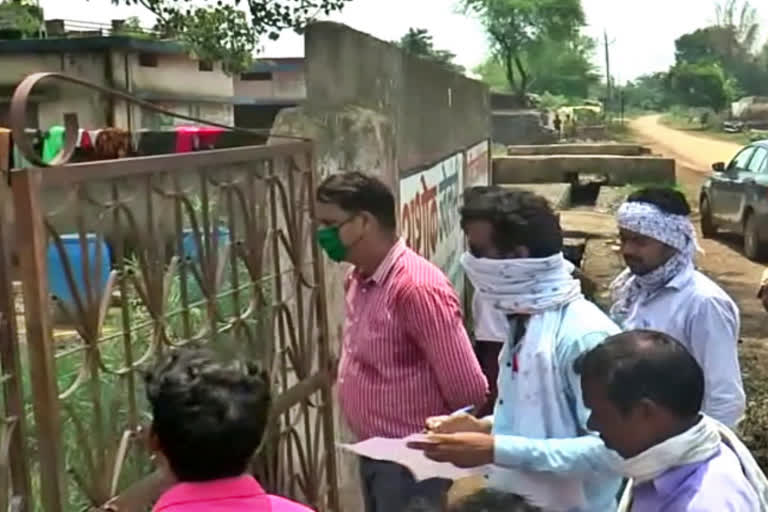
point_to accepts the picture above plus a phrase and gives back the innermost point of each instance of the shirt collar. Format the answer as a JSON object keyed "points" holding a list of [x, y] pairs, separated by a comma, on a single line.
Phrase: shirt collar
{"points": [[386, 265], [194, 492], [682, 279], [670, 482]]}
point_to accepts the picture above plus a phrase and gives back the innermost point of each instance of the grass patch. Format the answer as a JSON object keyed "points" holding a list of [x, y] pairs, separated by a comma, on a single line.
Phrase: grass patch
{"points": [[618, 131], [709, 125]]}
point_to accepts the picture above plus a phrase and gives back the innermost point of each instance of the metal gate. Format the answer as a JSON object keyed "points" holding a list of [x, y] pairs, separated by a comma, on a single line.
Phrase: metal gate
{"points": [[214, 248]]}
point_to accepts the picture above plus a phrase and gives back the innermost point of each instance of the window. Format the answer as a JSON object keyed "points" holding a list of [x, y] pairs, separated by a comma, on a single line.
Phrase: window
{"points": [[741, 160], [256, 77], [758, 160], [205, 65], [148, 60]]}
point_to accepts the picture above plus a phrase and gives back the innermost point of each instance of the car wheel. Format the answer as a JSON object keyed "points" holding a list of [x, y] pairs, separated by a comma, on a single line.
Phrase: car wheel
{"points": [[754, 248], [708, 228]]}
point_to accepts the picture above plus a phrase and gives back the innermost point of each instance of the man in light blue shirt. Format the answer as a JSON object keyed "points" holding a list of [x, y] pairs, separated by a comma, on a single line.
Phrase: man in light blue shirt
{"points": [[536, 443], [661, 290]]}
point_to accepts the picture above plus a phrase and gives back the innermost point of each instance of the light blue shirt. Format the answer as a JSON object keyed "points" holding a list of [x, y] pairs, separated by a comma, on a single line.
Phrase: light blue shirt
{"points": [[697, 312], [584, 456]]}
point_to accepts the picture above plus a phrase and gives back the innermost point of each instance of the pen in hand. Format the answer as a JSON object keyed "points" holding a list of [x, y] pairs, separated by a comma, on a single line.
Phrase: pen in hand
{"points": [[464, 410]]}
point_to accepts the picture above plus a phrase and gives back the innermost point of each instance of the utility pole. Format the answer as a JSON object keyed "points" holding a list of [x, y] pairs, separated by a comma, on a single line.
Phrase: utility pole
{"points": [[608, 87]]}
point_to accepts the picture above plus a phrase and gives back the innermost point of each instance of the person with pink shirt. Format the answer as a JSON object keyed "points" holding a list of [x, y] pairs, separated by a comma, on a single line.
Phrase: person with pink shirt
{"points": [[208, 420]]}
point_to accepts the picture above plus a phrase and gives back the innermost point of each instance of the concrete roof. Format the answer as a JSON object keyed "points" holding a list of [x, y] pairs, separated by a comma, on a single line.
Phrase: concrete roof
{"points": [[267, 65], [90, 44], [255, 101]]}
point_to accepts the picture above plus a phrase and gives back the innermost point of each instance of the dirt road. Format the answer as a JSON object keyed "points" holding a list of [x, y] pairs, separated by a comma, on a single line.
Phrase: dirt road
{"points": [[724, 262], [692, 151]]}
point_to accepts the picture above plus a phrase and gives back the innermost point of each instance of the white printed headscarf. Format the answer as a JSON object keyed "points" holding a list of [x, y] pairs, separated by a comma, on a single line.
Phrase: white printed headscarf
{"points": [[525, 285], [673, 230]]}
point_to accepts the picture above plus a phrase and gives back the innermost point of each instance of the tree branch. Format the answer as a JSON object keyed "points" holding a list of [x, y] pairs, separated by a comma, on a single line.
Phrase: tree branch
{"points": [[523, 76]]}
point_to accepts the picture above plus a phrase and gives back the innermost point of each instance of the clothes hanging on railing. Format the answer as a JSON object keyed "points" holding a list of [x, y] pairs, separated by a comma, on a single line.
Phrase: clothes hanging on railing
{"points": [[154, 142], [53, 142], [195, 138], [84, 141], [113, 143]]}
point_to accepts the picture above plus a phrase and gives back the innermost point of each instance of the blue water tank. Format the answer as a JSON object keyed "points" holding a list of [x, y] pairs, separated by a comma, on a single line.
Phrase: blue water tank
{"points": [[57, 277], [189, 244]]}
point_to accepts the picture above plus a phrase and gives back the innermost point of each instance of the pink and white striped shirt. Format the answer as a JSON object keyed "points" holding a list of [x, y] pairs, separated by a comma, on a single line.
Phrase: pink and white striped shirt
{"points": [[406, 355]]}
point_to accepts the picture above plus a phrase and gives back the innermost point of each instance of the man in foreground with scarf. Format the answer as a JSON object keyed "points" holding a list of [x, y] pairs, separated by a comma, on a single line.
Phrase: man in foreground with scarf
{"points": [[645, 392], [661, 290], [536, 441]]}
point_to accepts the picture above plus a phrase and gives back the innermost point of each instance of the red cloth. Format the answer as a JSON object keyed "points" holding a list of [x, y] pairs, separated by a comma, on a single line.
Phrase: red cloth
{"points": [[406, 355], [85, 140], [208, 136], [185, 138], [192, 138]]}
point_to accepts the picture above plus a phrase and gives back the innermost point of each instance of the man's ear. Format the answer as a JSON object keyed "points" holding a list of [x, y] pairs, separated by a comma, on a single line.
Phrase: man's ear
{"points": [[646, 409], [153, 442], [521, 251]]}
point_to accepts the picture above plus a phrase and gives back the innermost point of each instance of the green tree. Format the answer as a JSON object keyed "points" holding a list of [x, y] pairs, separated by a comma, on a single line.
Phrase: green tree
{"points": [[19, 19], [722, 45], [132, 27], [516, 27], [648, 92], [492, 72], [229, 30], [709, 44], [418, 42], [700, 85], [741, 17], [561, 68]]}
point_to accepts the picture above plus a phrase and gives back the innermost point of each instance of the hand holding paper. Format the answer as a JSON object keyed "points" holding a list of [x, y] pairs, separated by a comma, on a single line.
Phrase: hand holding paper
{"points": [[401, 452], [464, 449]]}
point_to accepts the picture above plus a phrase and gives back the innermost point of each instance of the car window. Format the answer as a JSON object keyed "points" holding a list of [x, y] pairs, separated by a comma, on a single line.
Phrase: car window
{"points": [[741, 160], [758, 160]]}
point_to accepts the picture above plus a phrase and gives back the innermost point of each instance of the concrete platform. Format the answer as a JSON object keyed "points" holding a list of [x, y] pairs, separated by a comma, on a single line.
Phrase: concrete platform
{"points": [[580, 149], [617, 170], [558, 194], [610, 198], [588, 224]]}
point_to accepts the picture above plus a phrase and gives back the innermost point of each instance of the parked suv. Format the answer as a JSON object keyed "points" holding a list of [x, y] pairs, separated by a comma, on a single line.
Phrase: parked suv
{"points": [[735, 198]]}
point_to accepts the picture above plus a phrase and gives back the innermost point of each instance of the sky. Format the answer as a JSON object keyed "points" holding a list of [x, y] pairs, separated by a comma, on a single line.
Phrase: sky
{"points": [[641, 33]]}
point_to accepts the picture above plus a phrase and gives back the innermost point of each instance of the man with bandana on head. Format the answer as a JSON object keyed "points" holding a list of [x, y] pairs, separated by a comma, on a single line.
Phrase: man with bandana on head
{"points": [[661, 290]]}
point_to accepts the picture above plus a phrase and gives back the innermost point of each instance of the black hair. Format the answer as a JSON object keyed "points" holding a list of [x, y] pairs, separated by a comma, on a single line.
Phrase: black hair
{"points": [[641, 364], [356, 192], [519, 218], [666, 199], [489, 500], [209, 416]]}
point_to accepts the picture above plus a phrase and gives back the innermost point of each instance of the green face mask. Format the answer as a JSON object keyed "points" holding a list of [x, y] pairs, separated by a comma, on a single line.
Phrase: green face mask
{"points": [[328, 238]]}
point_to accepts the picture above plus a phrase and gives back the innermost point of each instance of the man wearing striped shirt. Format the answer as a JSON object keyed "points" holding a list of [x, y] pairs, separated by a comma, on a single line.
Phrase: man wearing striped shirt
{"points": [[405, 354]]}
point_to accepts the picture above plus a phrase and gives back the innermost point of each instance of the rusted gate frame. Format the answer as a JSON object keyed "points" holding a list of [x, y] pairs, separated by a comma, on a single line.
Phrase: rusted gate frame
{"points": [[27, 186], [10, 362]]}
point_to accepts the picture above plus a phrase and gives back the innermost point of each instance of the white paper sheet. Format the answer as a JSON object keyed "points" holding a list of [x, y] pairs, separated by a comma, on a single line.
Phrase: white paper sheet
{"points": [[396, 450]]}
